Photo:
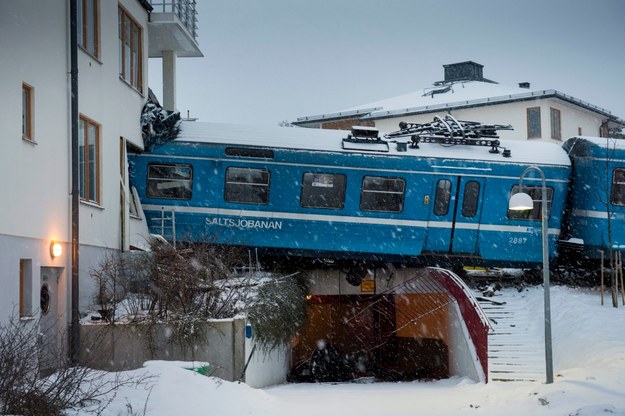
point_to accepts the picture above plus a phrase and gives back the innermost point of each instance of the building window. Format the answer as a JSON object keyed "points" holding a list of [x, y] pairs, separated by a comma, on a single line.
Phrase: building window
{"points": [[26, 288], [536, 192], [89, 26], [617, 196], [470, 199], [170, 181], [382, 194], [27, 112], [247, 186], [556, 132], [89, 160], [533, 123], [130, 51], [442, 197], [323, 190]]}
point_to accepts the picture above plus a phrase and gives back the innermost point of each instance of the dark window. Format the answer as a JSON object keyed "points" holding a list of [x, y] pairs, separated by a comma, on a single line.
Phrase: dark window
{"points": [[323, 190], [556, 132], [471, 197], [536, 193], [89, 26], [382, 194], [249, 152], [618, 187], [89, 159], [247, 186], [442, 197], [130, 50], [533, 123], [27, 111], [170, 181]]}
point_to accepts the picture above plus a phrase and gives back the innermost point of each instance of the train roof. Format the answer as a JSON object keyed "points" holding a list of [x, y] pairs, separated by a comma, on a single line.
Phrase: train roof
{"points": [[587, 146], [524, 152]]}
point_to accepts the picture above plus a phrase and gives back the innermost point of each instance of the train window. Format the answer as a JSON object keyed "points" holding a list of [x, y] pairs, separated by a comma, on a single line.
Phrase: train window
{"points": [[247, 185], [536, 192], [470, 199], [323, 190], [382, 194], [249, 152], [442, 197], [170, 181], [617, 196]]}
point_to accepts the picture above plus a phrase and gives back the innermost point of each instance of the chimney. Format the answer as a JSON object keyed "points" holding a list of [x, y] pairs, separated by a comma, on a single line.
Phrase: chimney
{"points": [[525, 85], [464, 71]]}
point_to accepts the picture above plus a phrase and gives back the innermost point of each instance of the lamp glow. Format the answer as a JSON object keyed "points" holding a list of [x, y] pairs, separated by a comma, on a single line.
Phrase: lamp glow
{"points": [[520, 202], [56, 249]]}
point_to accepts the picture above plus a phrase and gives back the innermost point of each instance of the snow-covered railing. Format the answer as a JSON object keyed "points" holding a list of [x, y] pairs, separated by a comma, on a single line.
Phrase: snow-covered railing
{"points": [[184, 9]]}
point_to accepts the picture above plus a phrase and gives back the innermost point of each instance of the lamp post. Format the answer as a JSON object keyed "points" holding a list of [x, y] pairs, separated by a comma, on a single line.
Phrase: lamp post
{"points": [[523, 202]]}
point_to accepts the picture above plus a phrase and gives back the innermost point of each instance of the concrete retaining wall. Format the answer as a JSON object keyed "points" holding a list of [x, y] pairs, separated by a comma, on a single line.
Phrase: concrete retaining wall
{"points": [[127, 346]]}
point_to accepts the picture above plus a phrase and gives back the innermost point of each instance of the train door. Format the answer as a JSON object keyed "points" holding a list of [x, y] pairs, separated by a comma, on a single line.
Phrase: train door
{"points": [[455, 214]]}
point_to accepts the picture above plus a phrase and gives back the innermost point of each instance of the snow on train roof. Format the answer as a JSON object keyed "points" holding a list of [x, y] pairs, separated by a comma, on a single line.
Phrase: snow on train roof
{"points": [[522, 151], [603, 142]]}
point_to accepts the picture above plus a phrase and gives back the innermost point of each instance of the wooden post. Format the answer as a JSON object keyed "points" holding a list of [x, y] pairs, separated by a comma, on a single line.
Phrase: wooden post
{"points": [[620, 257], [602, 279]]}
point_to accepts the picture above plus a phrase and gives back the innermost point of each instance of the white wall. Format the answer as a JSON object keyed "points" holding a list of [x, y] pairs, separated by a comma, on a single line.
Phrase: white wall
{"points": [[116, 106], [572, 118], [36, 176]]}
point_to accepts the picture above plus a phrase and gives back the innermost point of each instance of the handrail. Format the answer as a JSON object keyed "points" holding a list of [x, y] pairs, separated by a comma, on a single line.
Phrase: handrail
{"points": [[184, 9]]}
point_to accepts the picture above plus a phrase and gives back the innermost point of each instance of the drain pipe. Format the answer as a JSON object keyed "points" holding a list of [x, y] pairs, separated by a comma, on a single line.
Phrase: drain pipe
{"points": [[75, 330]]}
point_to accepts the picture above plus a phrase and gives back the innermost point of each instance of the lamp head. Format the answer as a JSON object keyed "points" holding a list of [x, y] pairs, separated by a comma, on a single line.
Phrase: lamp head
{"points": [[520, 202]]}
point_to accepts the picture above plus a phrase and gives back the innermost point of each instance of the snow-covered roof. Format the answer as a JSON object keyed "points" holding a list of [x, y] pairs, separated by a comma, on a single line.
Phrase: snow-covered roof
{"points": [[526, 152], [447, 96], [603, 142]]}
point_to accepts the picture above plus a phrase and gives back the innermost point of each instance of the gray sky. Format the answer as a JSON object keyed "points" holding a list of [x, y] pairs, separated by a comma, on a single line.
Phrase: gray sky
{"points": [[272, 60]]}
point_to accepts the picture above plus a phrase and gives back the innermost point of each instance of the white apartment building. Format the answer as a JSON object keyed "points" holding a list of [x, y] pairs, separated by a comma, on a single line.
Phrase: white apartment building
{"points": [[115, 39], [465, 94]]}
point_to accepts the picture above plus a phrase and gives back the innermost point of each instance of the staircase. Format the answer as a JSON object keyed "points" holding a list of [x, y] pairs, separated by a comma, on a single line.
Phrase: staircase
{"points": [[516, 341]]}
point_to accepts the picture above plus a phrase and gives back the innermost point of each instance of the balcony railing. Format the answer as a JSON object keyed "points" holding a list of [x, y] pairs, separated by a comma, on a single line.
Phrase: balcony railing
{"points": [[184, 9]]}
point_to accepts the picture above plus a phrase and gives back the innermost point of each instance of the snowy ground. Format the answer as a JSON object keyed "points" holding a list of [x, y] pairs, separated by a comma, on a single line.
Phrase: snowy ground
{"points": [[589, 362]]}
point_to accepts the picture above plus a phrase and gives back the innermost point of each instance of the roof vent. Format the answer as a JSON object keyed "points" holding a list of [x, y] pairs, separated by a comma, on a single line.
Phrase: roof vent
{"points": [[525, 85]]}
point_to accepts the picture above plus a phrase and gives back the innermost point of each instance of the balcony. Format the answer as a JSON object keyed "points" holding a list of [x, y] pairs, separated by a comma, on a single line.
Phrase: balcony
{"points": [[173, 27]]}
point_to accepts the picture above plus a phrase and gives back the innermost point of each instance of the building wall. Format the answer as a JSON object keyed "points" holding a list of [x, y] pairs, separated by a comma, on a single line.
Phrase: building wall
{"points": [[34, 38], [35, 184], [116, 106], [572, 118]]}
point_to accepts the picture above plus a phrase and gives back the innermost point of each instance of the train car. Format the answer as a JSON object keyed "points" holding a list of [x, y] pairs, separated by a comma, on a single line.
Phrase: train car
{"points": [[596, 208], [333, 194]]}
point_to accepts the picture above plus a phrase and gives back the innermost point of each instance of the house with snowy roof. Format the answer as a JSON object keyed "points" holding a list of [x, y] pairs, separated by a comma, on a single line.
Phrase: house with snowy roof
{"points": [[74, 83], [465, 93]]}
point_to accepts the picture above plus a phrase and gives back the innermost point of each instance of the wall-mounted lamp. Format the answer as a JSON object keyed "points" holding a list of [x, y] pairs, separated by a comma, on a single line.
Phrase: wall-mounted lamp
{"points": [[56, 249]]}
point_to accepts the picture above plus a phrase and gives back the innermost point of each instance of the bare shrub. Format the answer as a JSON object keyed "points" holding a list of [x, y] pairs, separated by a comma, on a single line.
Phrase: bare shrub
{"points": [[183, 287], [278, 311], [23, 389]]}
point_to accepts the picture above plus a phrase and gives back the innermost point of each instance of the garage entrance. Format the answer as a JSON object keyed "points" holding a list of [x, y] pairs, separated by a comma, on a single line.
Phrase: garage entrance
{"points": [[420, 325]]}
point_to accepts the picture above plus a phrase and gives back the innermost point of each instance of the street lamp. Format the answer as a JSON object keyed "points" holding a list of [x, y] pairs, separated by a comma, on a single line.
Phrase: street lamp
{"points": [[523, 202]]}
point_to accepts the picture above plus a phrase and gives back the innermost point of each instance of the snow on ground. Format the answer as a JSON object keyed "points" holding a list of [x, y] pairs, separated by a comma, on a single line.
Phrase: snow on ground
{"points": [[589, 362]]}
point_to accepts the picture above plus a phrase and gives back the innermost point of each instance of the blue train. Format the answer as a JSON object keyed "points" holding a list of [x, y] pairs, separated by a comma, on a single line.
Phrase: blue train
{"points": [[594, 215], [412, 197]]}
